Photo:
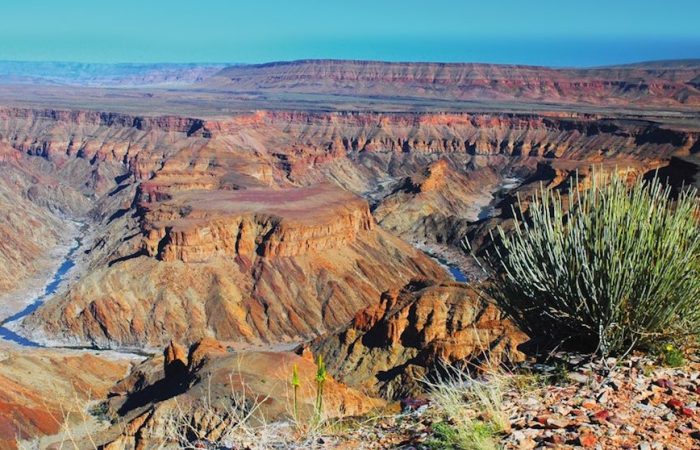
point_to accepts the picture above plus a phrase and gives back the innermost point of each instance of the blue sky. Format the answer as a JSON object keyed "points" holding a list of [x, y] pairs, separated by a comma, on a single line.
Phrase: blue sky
{"points": [[548, 32]]}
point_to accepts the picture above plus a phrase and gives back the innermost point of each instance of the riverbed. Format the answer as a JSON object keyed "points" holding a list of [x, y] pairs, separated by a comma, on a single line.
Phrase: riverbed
{"points": [[55, 282], [506, 185]]}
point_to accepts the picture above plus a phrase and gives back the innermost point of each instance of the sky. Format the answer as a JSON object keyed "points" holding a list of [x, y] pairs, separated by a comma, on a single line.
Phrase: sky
{"points": [[547, 32]]}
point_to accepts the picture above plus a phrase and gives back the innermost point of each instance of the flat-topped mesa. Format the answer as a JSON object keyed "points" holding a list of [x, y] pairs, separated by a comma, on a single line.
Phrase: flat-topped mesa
{"points": [[195, 226], [642, 84]]}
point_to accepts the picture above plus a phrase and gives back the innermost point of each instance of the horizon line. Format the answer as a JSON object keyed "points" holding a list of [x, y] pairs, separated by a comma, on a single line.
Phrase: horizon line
{"points": [[347, 60]]}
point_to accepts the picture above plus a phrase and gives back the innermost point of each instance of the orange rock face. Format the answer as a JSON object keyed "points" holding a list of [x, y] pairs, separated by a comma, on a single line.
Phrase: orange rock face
{"points": [[252, 222], [43, 389], [149, 398], [390, 346]]}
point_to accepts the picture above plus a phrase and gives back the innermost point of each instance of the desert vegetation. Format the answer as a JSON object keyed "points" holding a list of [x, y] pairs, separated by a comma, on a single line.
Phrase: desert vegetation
{"points": [[611, 267], [471, 410]]}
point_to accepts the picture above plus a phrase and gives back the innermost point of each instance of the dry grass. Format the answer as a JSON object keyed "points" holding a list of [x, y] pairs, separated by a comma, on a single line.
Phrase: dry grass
{"points": [[472, 407], [242, 423]]}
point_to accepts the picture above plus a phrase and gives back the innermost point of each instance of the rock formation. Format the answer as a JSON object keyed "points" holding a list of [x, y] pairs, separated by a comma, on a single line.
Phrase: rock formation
{"points": [[640, 85], [229, 226], [248, 265], [152, 400], [389, 347]]}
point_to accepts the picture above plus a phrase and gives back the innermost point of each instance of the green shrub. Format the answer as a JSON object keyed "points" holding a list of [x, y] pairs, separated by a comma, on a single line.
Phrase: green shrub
{"points": [[618, 269], [480, 436], [672, 356], [321, 376]]}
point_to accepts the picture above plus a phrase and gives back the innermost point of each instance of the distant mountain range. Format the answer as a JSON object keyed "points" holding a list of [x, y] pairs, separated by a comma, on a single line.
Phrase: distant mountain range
{"points": [[324, 84], [95, 74]]}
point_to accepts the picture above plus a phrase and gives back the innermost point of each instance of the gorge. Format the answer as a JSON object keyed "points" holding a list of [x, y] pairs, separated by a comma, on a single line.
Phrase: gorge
{"points": [[309, 205]]}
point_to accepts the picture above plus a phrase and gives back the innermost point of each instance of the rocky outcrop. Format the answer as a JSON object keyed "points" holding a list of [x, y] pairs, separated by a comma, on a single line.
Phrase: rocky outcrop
{"points": [[390, 346], [438, 194], [150, 402], [196, 226]]}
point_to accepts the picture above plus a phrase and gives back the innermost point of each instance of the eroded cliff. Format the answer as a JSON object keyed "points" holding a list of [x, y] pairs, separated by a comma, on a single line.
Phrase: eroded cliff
{"points": [[231, 227]]}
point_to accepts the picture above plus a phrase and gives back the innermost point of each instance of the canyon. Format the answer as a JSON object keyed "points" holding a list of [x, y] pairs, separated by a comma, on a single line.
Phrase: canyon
{"points": [[274, 213]]}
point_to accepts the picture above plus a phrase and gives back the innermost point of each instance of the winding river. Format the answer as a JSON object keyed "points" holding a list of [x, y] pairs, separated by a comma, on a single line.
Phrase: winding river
{"points": [[51, 288]]}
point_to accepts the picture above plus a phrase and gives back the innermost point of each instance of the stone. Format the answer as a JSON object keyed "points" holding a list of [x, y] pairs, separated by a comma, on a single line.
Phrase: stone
{"points": [[175, 361], [602, 415], [557, 422], [578, 377], [675, 404], [685, 411], [410, 331], [587, 440]]}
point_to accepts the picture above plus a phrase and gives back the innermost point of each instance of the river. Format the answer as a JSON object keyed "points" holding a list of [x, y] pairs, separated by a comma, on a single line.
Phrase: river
{"points": [[454, 270], [505, 186], [51, 288]]}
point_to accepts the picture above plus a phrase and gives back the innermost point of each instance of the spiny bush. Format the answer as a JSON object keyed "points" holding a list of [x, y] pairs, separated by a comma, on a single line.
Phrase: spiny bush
{"points": [[618, 269]]}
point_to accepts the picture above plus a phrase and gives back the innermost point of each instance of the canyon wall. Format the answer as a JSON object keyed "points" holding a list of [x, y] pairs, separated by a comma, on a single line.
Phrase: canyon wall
{"points": [[252, 227], [389, 347]]}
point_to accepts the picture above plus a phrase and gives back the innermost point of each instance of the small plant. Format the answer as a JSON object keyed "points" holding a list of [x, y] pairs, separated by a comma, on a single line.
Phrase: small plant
{"points": [[321, 375], [295, 387], [610, 268], [560, 375], [671, 356], [527, 382], [480, 436], [100, 411], [447, 437]]}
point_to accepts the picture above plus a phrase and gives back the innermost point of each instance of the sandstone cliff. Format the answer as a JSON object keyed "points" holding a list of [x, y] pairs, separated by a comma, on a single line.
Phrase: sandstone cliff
{"points": [[390, 346]]}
